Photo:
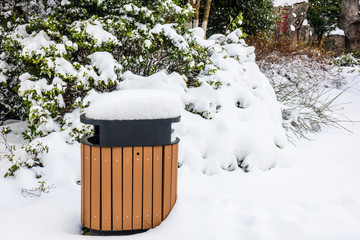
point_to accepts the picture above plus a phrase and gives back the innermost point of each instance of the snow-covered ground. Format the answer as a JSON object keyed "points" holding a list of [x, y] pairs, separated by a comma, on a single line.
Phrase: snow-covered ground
{"points": [[312, 193]]}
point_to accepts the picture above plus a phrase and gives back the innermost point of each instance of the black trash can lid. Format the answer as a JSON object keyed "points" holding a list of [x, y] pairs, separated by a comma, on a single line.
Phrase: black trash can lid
{"points": [[135, 104]]}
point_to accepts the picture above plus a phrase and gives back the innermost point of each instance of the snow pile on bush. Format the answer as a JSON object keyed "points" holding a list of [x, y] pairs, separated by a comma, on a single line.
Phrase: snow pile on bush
{"points": [[232, 119], [66, 61], [279, 3], [302, 84]]}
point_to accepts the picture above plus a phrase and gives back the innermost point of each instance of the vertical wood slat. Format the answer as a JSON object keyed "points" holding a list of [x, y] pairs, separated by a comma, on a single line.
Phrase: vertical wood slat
{"points": [[177, 168], [157, 185], [167, 181], [82, 182], [106, 189], [117, 188], [174, 168], [137, 187], [127, 188], [147, 187], [86, 185], [95, 188]]}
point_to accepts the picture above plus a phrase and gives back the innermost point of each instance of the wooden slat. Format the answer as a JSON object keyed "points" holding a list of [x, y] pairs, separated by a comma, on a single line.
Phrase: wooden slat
{"points": [[177, 169], [86, 185], [174, 168], [82, 184], [117, 188], [95, 188], [157, 185], [147, 188], [137, 187], [167, 181], [105, 189], [127, 188]]}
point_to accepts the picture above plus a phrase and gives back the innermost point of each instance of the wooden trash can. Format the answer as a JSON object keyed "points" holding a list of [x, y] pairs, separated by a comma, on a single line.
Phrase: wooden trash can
{"points": [[128, 174]]}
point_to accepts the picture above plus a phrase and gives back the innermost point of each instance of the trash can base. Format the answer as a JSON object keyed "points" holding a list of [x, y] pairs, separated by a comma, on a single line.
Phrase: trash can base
{"points": [[89, 232]]}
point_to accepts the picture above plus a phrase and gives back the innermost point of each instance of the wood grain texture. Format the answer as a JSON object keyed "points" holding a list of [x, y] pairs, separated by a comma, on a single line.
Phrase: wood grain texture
{"points": [[167, 181], [174, 168], [106, 189], [157, 185], [137, 187], [117, 188], [95, 188], [147, 187], [86, 185], [127, 188], [82, 149]]}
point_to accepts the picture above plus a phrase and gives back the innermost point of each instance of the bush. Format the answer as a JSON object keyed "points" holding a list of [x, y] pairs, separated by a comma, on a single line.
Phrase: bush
{"points": [[301, 77], [53, 77], [55, 52], [258, 16], [323, 15], [347, 59]]}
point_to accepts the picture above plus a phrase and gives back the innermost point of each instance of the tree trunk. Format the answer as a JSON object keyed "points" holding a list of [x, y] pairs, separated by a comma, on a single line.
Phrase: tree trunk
{"points": [[206, 15], [194, 22]]}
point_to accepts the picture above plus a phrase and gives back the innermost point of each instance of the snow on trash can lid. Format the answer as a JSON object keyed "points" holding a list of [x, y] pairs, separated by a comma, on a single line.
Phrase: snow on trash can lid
{"points": [[135, 104]]}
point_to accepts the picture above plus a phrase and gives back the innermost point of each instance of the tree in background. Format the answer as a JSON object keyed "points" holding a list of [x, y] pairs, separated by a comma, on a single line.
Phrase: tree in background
{"points": [[194, 22], [258, 15], [323, 16]]}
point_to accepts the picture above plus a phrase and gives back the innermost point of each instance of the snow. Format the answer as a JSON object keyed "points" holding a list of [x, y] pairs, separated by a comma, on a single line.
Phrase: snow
{"points": [[225, 133], [97, 32], [106, 65], [313, 194], [337, 31], [231, 119], [169, 32], [279, 3], [135, 104], [3, 78]]}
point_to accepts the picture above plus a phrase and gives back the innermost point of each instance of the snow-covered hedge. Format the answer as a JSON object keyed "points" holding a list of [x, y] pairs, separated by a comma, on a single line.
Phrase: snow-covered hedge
{"points": [[66, 54]]}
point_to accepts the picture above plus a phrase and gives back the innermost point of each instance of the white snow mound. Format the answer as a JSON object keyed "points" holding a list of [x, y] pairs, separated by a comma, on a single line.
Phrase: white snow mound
{"points": [[135, 104], [279, 3], [235, 123]]}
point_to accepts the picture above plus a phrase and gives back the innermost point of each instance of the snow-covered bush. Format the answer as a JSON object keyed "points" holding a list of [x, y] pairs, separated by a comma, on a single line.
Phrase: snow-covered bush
{"points": [[65, 54], [301, 77], [346, 59]]}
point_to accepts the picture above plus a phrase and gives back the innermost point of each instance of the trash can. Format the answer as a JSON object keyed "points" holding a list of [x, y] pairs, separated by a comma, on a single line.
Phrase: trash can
{"points": [[129, 167]]}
